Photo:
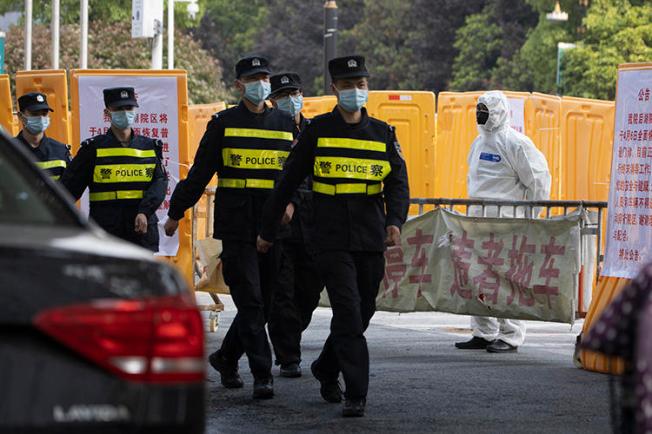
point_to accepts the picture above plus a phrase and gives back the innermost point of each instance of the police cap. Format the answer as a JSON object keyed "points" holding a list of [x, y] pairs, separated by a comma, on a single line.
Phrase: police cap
{"points": [[285, 81], [252, 65], [120, 97], [347, 67], [33, 101]]}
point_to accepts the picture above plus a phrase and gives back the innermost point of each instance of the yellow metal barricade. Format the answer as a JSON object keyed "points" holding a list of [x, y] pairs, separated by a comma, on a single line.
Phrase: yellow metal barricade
{"points": [[54, 85], [587, 138], [413, 115], [318, 105], [7, 119]]}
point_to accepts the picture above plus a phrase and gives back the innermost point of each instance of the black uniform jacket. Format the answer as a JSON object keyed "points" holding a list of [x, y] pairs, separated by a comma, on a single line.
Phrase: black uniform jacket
{"points": [[350, 222], [51, 155], [237, 210], [80, 175]]}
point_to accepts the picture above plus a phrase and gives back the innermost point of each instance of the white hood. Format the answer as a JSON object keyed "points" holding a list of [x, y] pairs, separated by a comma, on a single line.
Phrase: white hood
{"points": [[499, 111]]}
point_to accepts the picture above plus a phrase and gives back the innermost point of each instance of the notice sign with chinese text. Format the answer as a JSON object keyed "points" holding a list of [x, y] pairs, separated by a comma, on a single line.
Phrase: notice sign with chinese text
{"points": [[157, 118], [500, 267], [629, 224]]}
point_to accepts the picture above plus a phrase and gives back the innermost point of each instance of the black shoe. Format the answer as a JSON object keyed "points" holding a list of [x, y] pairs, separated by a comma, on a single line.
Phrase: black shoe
{"points": [[228, 374], [264, 389], [330, 389], [290, 370], [474, 344], [500, 346], [354, 407]]}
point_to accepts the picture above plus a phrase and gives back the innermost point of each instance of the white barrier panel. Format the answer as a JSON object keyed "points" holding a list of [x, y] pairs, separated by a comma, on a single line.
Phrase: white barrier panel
{"points": [[509, 268]]}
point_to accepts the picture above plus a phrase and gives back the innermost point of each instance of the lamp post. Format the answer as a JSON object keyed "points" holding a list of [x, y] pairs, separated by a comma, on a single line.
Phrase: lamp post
{"points": [[561, 47], [83, 51], [330, 37], [55, 33], [28, 35], [193, 9], [2, 52]]}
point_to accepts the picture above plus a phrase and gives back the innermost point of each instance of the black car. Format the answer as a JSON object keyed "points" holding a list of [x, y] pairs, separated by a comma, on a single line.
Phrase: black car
{"points": [[95, 335]]}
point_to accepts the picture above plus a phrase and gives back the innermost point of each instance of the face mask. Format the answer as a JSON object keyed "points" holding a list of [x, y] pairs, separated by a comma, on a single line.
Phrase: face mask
{"points": [[257, 91], [37, 124], [290, 104], [352, 100], [481, 114], [123, 119]]}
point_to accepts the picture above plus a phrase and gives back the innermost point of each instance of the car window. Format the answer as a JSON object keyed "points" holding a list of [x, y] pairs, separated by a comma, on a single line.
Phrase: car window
{"points": [[25, 198]]}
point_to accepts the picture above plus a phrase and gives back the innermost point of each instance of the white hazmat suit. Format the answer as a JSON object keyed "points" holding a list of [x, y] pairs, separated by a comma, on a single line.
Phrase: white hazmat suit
{"points": [[504, 165]]}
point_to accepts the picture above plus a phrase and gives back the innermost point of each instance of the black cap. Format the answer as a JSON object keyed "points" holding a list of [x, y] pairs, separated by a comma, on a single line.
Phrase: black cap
{"points": [[33, 101], [119, 97], [252, 65], [285, 81], [347, 67]]}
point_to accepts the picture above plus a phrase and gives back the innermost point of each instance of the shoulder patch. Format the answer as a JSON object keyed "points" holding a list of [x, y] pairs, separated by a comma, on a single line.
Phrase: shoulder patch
{"points": [[89, 142], [158, 143], [68, 147], [397, 146]]}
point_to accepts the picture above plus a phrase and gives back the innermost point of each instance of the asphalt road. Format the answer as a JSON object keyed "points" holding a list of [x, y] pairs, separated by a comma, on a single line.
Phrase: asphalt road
{"points": [[421, 383]]}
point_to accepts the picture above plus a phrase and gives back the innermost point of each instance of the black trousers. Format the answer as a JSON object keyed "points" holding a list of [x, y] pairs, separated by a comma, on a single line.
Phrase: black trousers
{"points": [[296, 295], [120, 221], [352, 280], [250, 277]]}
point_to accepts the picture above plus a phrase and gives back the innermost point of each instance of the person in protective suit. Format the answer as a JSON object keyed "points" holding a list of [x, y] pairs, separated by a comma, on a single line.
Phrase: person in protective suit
{"points": [[123, 172], [503, 165]]}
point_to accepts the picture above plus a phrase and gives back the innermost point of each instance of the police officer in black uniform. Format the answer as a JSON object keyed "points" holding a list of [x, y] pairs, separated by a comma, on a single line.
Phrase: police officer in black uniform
{"points": [[296, 294], [51, 155], [361, 200], [124, 173], [247, 146]]}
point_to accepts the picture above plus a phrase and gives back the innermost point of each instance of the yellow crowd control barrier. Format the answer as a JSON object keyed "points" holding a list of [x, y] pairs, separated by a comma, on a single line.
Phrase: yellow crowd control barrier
{"points": [[606, 290], [413, 115], [184, 259], [587, 137], [7, 119], [456, 130], [318, 105], [54, 85], [542, 117]]}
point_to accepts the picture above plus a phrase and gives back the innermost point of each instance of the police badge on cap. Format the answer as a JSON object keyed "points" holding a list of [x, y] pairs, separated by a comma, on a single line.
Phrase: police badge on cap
{"points": [[347, 67], [120, 97], [33, 101], [252, 65], [285, 81]]}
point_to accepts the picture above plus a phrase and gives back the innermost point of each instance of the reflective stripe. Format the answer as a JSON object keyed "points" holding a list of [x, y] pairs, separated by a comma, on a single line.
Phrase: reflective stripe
{"points": [[363, 145], [126, 152], [259, 134], [245, 183], [51, 164], [110, 173], [351, 168], [254, 158], [55, 177], [332, 190], [116, 195]]}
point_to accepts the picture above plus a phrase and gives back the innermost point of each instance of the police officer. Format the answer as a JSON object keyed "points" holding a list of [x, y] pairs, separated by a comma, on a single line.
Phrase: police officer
{"points": [[361, 200], [123, 172], [247, 146], [34, 114], [298, 287]]}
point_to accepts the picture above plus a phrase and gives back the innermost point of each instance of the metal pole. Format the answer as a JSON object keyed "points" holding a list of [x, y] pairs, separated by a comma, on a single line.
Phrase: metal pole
{"points": [[28, 35], [157, 47], [55, 33], [330, 38], [83, 52], [170, 34], [2, 52]]}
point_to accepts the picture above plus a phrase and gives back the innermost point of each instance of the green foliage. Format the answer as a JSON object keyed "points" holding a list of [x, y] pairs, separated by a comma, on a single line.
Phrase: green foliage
{"points": [[616, 32], [111, 47]]}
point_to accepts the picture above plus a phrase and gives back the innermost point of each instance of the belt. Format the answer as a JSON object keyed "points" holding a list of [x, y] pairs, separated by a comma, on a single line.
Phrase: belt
{"points": [[245, 183], [358, 188], [116, 195]]}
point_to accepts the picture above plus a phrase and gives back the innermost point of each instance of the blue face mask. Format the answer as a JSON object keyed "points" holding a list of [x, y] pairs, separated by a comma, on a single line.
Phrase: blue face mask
{"points": [[123, 119], [352, 100], [37, 124], [257, 91], [290, 104]]}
